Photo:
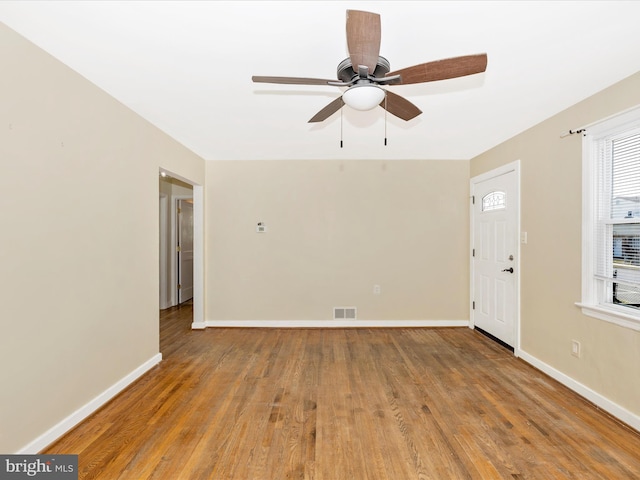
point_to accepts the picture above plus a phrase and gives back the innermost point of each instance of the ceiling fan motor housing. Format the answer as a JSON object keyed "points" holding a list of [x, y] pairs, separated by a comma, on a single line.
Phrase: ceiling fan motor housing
{"points": [[346, 72]]}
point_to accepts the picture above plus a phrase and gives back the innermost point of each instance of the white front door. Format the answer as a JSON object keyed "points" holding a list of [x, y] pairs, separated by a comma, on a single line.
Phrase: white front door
{"points": [[185, 250], [495, 235]]}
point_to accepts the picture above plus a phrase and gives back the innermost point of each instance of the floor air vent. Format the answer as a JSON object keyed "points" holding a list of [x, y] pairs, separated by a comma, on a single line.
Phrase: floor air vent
{"points": [[340, 313]]}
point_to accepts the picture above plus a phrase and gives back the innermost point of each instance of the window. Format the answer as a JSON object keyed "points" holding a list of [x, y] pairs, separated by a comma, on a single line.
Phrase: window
{"points": [[494, 201], [611, 216]]}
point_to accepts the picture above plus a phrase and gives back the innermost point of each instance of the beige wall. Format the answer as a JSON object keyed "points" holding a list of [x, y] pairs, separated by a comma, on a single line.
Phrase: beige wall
{"points": [[551, 261], [336, 229], [79, 222]]}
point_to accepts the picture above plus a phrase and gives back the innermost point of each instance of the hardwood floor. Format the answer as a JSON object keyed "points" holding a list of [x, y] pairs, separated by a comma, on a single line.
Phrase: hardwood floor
{"points": [[355, 404]]}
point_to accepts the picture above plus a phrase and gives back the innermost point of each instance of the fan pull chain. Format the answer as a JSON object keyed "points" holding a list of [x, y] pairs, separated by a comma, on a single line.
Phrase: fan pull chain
{"points": [[341, 128], [385, 119]]}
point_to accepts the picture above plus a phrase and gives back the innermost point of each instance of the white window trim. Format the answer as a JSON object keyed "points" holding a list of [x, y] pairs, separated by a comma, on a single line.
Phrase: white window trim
{"points": [[590, 304]]}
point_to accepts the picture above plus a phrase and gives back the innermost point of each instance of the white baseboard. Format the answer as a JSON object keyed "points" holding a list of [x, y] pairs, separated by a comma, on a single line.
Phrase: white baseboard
{"points": [[198, 325], [83, 412], [335, 323], [621, 413]]}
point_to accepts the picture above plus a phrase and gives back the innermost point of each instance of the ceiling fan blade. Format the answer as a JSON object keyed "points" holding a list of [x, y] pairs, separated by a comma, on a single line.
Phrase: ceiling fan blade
{"points": [[327, 111], [291, 80], [363, 38], [400, 106], [442, 69]]}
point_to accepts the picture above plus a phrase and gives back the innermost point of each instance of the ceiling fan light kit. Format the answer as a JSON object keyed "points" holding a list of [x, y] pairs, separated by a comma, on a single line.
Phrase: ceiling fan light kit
{"points": [[365, 71], [363, 97]]}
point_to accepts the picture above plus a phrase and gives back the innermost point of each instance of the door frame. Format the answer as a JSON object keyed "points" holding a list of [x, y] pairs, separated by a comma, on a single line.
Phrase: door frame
{"points": [[509, 167], [165, 301], [174, 245], [198, 248]]}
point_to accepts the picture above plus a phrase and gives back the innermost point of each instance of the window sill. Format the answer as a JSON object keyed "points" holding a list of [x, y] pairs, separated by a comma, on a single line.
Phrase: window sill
{"points": [[611, 315]]}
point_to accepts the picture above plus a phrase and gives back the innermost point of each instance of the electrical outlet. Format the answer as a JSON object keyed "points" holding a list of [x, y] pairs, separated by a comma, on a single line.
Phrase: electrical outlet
{"points": [[376, 289], [575, 348]]}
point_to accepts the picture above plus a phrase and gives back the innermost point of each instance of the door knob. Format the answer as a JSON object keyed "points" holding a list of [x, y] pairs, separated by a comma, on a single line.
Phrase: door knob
{"points": [[509, 270]]}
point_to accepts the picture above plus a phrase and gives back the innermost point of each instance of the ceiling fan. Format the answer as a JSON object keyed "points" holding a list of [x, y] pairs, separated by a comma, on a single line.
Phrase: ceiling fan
{"points": [[365, 71]]}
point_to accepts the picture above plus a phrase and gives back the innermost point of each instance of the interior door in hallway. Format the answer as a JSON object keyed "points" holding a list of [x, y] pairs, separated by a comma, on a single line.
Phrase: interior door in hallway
{"points": [[495, 250], [185, 249]]}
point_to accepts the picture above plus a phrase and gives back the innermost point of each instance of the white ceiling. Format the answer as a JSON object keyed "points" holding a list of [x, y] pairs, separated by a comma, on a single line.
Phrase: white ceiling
{"points": [[187, 67]]}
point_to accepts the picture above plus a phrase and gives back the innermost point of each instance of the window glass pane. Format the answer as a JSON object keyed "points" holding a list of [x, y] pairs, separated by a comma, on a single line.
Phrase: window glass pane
{"points": [[494, 201], [625, 178], [626, 295], [626, 244], [626, 264]]}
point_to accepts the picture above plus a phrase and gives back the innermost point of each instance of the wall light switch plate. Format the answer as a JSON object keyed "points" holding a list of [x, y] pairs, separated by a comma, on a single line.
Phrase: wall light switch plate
{"points": [[575, 348]]}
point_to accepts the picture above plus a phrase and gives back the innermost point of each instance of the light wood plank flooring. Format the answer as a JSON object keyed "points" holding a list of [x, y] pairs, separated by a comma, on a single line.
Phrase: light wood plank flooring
{"points": [[352, 404]]}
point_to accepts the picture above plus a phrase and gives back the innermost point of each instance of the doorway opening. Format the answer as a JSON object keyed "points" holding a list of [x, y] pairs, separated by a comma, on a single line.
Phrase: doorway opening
{"points": [[181, 243]]}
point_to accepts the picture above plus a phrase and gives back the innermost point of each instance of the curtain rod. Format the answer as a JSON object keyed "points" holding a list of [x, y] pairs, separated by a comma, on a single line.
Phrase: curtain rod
{"points": [[573, 132], [583, 129]]}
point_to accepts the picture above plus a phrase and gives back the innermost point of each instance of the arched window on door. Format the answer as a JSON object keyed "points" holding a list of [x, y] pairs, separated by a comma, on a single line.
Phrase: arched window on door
{"points": [[494, 201]]}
